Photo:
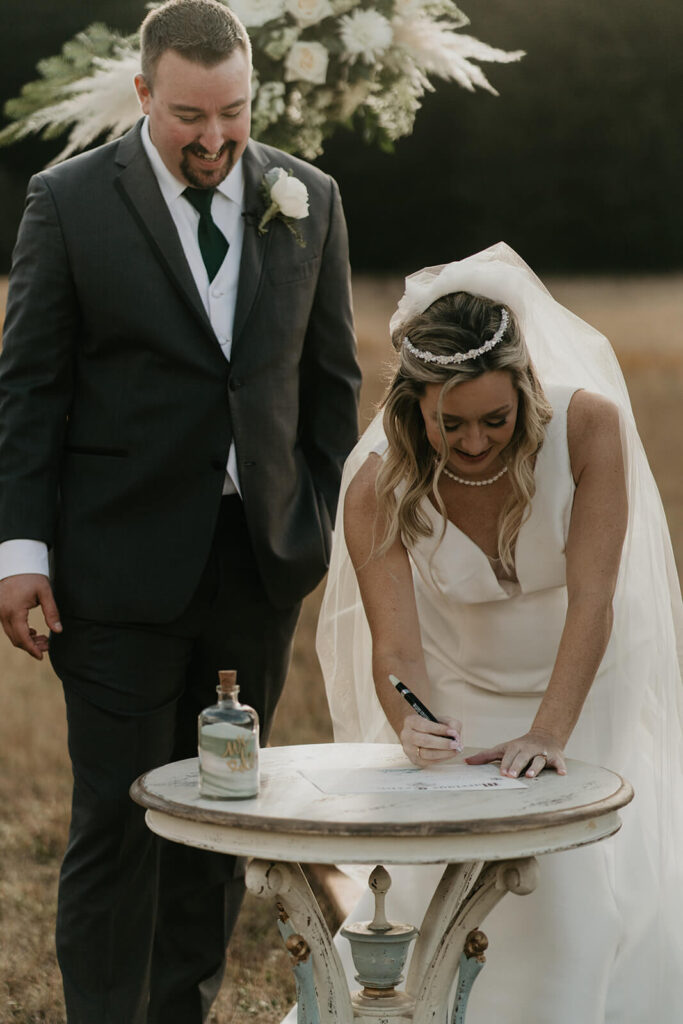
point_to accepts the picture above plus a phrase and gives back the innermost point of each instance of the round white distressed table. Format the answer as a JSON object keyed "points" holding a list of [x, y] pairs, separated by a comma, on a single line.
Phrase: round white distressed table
{"points": [[487, 838]]}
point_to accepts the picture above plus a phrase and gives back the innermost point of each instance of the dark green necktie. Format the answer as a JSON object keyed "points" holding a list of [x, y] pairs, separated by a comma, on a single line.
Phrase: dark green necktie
{"points": [[212, 242]]}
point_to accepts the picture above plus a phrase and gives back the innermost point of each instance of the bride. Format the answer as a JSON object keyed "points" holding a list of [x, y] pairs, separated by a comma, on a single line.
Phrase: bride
{"points": [[502, 549]]}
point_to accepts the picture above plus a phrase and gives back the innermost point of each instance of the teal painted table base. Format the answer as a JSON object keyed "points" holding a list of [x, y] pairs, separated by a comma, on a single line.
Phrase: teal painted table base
{"points": [[449, 944]]}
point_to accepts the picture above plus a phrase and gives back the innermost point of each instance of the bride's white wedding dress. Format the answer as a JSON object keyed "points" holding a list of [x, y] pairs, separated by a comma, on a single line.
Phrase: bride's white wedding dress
{"points": [[600, 940]]}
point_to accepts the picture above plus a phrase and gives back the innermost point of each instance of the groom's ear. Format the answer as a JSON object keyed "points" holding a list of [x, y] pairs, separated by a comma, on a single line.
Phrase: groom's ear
{"points": [[144, 92]]}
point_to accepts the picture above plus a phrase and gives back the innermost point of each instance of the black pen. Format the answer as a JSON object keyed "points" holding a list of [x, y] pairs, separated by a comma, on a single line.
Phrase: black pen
{"points": [[415, 702]]}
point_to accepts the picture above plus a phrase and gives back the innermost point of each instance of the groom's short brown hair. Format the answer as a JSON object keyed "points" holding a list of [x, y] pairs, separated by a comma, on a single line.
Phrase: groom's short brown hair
{"points": [[204, 31]]}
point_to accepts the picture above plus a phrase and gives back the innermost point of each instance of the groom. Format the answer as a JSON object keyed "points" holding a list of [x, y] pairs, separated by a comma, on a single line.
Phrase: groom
{"points": [[177, 396]]}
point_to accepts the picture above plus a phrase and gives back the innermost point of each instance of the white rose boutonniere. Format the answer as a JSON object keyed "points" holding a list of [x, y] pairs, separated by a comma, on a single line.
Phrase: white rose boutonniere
{"points": [[286, 197]]}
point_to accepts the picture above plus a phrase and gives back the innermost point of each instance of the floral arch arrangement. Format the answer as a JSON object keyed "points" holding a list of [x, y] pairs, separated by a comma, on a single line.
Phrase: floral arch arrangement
{"points": [[318, 64]]}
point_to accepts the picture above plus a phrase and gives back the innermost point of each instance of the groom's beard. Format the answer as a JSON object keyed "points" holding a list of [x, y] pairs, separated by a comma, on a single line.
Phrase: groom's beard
{"points": [[207, 178]]}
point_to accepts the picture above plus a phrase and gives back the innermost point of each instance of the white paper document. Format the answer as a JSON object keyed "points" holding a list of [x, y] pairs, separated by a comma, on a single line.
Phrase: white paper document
{"points": [[407, 778]]}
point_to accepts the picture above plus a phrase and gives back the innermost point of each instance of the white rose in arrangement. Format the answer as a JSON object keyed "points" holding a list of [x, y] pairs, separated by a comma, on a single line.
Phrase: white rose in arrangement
{"points": [[309, 12], [291, 195], [365, 34], [253, 13], [307, 62]]}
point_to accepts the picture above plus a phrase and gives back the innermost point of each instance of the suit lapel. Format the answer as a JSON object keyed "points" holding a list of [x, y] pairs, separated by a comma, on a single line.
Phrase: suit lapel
{"points": [[141, 192], [254, 246]]}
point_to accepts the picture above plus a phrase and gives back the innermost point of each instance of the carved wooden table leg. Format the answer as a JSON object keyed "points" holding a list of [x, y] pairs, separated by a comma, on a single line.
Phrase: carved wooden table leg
{"points": [[286, 885], [455, 884], [481, 888]]}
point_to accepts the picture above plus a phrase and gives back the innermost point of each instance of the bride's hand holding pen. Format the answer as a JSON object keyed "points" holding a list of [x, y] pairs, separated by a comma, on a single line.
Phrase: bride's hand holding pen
{"points": [[425, 739]]}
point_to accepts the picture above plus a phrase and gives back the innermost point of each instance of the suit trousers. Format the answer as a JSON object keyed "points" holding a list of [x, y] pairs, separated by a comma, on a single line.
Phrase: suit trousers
{"points": [[142, 923]]}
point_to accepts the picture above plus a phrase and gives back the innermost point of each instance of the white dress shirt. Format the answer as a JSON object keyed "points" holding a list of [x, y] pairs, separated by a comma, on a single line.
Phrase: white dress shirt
{"points": [[219, 297]]}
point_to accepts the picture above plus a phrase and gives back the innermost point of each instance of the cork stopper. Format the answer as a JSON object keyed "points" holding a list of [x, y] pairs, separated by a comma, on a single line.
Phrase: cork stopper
{"points": [[227, 680]]}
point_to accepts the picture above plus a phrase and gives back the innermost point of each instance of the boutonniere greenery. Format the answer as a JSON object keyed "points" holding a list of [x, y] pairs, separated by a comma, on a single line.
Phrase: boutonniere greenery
{"points": [[286, 198]]}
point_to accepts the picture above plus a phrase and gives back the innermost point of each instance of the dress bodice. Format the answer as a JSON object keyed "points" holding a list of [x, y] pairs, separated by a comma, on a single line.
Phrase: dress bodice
{"points": [[462, 572], [495, 634]]}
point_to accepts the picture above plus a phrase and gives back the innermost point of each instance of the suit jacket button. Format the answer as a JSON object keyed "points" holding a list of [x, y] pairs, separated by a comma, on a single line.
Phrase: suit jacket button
{"points": [[234, 383]]}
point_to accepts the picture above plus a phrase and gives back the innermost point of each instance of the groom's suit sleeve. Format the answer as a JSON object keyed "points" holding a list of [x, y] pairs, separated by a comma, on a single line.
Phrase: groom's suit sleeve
{"points": [[330, 377], [36, 370]]}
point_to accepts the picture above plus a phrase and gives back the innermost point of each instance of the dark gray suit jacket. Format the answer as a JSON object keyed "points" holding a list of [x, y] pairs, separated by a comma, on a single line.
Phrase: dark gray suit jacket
{"points": [[117, 406]]}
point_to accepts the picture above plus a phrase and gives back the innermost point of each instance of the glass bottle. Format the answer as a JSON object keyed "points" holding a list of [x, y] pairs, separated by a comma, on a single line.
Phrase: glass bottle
{"points": [[228, 745]]}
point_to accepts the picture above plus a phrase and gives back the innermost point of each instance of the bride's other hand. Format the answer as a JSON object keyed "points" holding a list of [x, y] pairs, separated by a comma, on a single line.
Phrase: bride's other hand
{"points": [[526, 755], [426, 743]]}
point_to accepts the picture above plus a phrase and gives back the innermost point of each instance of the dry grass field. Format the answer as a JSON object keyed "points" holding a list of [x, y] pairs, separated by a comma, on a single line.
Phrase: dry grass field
{"points": [[642, 316]]}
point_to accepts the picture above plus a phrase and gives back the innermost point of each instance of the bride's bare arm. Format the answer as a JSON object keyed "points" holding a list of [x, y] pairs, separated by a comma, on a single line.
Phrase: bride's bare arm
{"points": [[386, 587], [596, 535]]}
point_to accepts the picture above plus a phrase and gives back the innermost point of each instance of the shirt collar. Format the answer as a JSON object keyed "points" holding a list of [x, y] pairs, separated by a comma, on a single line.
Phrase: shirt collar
{"points": [[231, 187]]}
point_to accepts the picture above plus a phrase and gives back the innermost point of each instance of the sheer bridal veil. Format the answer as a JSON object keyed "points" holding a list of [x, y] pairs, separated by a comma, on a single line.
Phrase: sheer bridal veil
{"points": [[644, 697]]}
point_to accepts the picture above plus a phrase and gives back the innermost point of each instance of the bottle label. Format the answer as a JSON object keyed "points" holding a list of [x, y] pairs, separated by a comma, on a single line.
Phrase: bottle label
{"points": [[228, 760]]}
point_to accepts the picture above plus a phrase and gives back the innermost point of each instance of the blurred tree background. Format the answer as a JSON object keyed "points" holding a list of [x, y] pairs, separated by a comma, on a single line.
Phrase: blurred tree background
{"points": [[577, 164]]}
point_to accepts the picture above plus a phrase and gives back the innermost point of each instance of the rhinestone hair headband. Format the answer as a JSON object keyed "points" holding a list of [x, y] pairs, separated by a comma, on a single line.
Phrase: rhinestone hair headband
{"points": [[461, 357]]}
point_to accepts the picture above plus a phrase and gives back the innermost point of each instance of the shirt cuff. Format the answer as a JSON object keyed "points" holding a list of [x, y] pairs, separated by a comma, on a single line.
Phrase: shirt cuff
{"points": [[21, 556]]}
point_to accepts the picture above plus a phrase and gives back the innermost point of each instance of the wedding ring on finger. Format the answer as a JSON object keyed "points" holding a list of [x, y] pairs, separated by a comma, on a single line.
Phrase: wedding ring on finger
{"points": [[419, 753]]}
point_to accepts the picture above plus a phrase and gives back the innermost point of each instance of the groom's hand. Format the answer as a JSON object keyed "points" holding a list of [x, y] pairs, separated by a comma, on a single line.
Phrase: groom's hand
{"points": [[18, 594]]}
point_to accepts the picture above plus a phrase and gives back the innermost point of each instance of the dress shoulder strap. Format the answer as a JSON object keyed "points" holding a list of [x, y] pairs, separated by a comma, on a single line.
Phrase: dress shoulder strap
{"points": [[559, 396]]}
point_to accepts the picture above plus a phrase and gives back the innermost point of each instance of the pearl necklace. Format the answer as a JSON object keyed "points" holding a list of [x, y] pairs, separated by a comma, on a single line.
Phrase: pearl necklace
{"points": [[474, 483]]}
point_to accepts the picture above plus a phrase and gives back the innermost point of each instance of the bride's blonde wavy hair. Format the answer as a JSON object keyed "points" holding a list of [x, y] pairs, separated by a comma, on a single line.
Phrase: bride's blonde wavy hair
{"points": [[454, 323]]}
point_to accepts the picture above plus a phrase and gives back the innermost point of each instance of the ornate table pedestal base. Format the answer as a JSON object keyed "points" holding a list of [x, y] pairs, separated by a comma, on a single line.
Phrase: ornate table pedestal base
{"points": [[488, 842], [448, 943]]}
